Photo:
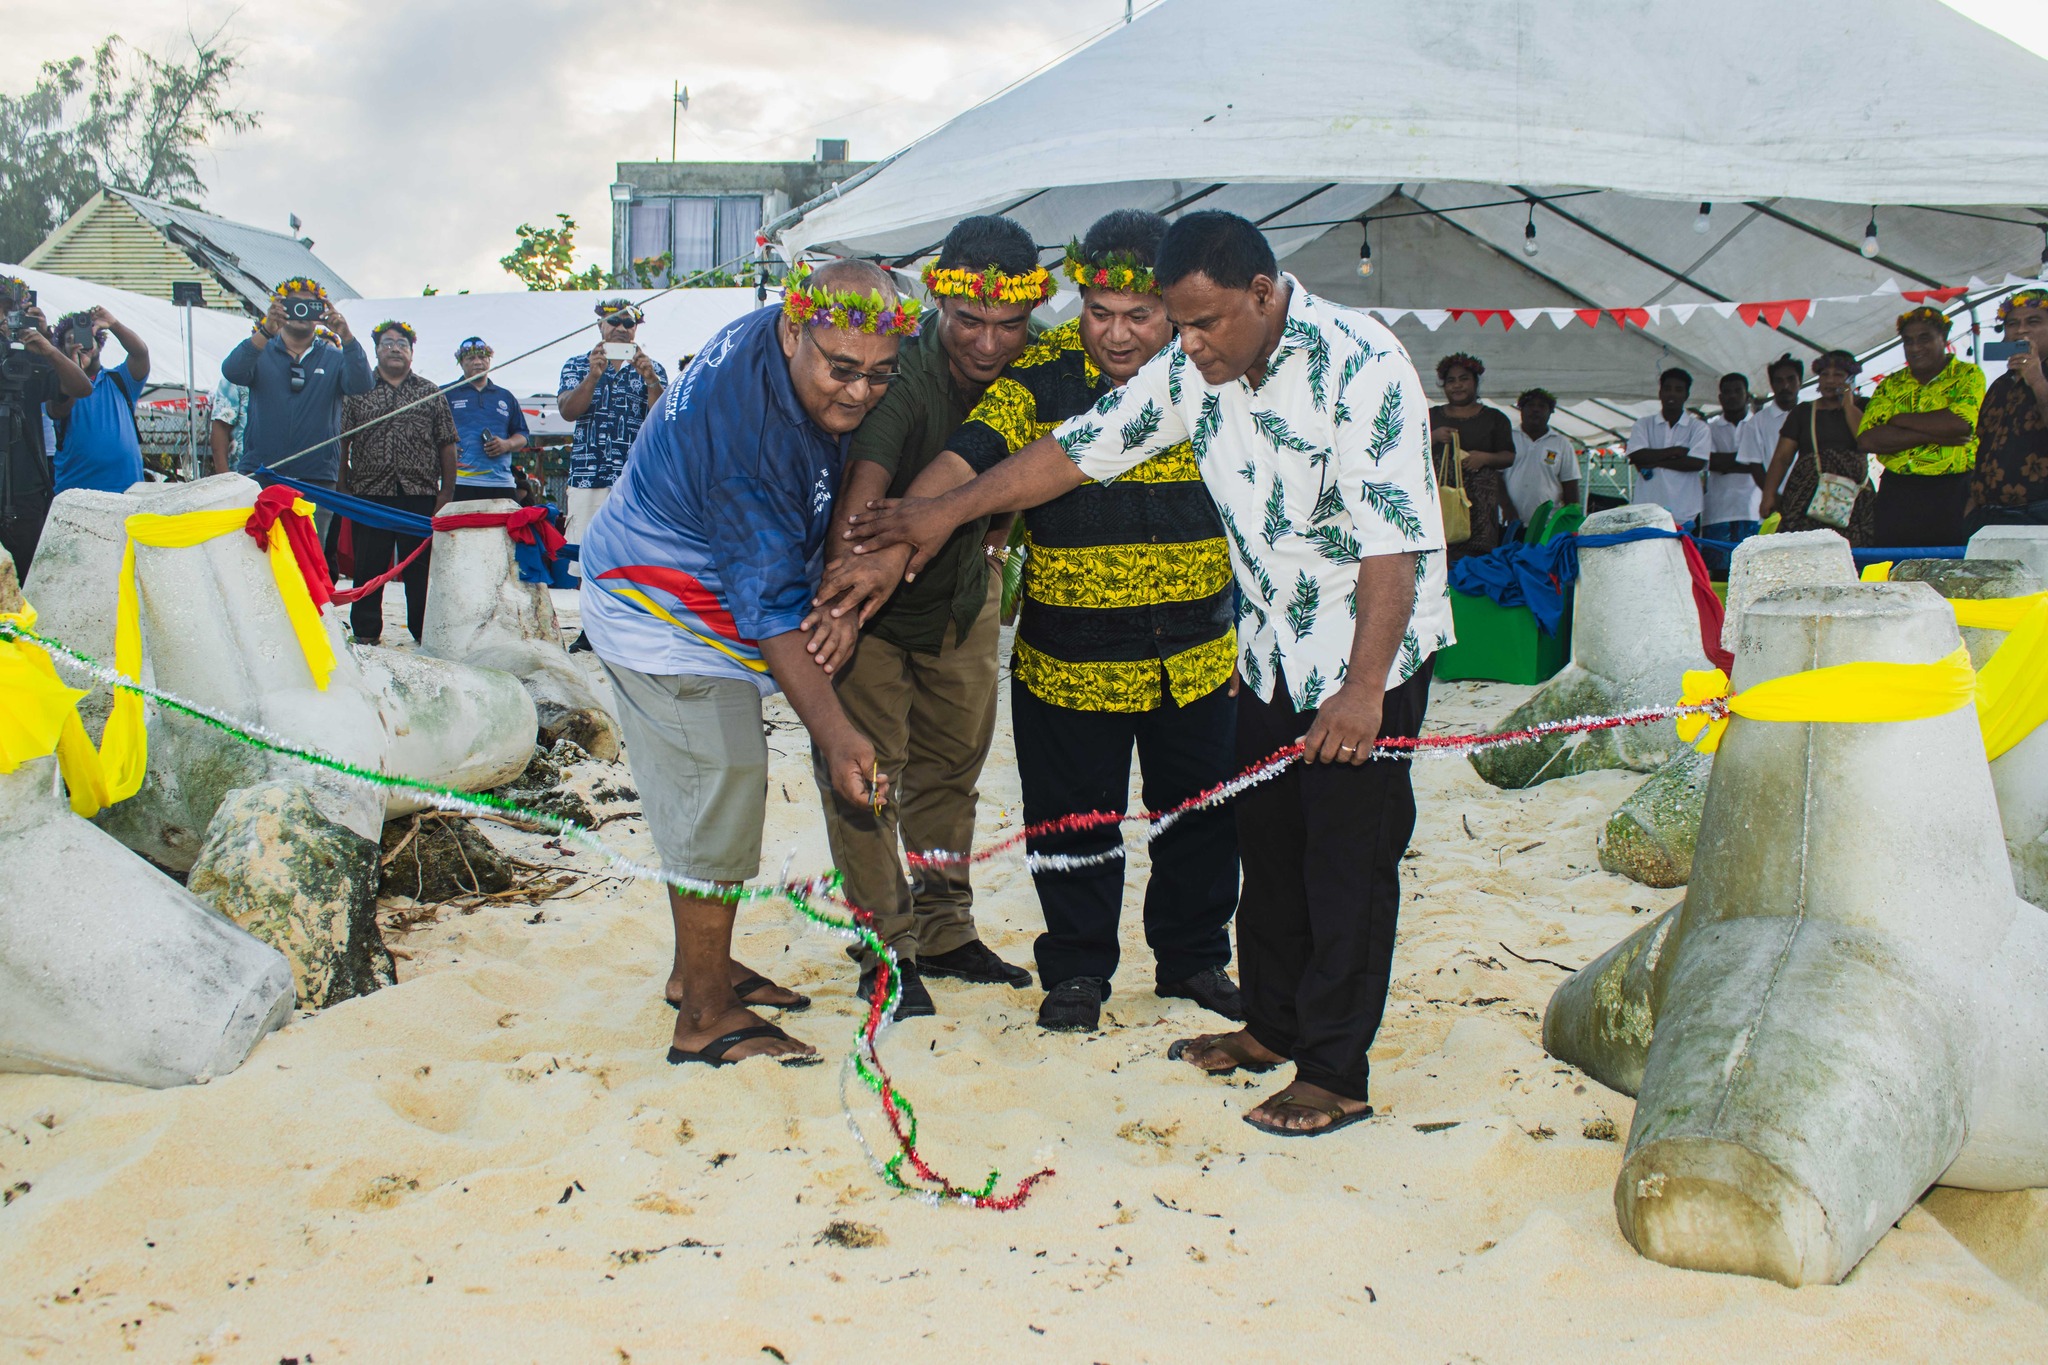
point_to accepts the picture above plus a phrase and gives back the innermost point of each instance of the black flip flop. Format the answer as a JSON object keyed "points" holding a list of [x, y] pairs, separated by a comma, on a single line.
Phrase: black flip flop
{"points": [[714, 1051], [1221, 1042], [744, 988], [1339, 1118]]}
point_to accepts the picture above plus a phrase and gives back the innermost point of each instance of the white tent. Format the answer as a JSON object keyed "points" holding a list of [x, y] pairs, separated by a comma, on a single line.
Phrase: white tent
{"points": [[1606, 123], [160, 326]]}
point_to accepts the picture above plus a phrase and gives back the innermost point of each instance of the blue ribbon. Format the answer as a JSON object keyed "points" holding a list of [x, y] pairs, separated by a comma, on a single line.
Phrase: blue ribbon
{"points": [[533, 566]]}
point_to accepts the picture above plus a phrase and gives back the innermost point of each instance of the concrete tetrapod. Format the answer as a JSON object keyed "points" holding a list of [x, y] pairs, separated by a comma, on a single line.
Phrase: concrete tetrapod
{"points": [[480, 613], [108, 968], [1851, 1004], [1635, 632], [1650, 837]]}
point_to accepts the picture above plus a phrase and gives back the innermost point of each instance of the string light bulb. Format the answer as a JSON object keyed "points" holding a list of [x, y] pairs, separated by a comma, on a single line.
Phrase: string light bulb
{"points": [[1703, 220], [1365, 250], [1870, 235], [1529, 232]]}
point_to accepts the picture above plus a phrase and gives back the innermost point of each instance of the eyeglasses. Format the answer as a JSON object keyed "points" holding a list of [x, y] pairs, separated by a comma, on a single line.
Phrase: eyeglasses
{"points": [[849, 374]]}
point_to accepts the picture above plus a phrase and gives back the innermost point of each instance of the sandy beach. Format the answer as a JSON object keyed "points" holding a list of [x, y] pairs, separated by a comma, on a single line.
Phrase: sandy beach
{"points": [[491, 1161]]}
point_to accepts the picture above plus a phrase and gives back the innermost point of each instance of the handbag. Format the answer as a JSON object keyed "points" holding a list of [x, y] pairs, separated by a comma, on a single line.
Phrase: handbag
{"points": [[1450, 496], [1834, 496]]}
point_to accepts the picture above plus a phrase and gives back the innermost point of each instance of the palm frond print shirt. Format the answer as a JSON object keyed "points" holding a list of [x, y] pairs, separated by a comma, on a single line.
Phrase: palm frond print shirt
{"points": [[1324, 464]]}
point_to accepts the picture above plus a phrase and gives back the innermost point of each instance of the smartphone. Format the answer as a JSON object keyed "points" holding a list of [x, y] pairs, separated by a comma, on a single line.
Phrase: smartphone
{"points": [[620, 350], [2023, 347]]}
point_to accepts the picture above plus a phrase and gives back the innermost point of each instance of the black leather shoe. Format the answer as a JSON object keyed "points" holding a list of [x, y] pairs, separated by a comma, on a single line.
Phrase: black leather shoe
{"points": [[581, 645], [1211, 988], [915, 1002], [1074, 1006], [972, 961]]}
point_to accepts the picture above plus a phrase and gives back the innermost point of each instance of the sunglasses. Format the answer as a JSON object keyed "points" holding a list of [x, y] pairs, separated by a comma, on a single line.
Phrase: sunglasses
{"points": [[623, 321], [847, 374], [298, 376]]}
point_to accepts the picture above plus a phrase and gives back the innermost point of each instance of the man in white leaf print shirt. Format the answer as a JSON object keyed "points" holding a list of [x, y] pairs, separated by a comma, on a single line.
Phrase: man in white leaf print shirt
{"points": [[1308, 421]]}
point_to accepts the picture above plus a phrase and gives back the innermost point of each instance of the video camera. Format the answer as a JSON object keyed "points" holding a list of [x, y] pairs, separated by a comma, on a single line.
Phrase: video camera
{"points": [[17, 312]]}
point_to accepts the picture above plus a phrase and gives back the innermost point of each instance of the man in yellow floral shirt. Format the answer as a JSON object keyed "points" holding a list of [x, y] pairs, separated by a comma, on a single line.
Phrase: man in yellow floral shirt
{"points": [[1125, 639], [1922, 426]]}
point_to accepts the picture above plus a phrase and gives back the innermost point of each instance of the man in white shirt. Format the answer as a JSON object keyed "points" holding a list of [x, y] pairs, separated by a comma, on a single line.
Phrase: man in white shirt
{"points": [[1668, 450], [1546, 467], [1735, 482], [1757, 442], [1308, 423]]}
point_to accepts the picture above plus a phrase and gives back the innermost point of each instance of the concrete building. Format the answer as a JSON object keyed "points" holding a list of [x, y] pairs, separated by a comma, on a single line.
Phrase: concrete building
{"points": [[705, 214], [125, 241]]}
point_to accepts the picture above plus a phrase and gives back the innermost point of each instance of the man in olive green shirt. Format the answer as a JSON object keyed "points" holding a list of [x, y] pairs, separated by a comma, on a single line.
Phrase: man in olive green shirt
{"points": [[922, 680]]}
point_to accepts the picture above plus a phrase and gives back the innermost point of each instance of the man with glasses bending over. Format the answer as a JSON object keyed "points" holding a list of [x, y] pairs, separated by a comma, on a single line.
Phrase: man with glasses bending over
{"points": [[607, 398], [296, 381]]}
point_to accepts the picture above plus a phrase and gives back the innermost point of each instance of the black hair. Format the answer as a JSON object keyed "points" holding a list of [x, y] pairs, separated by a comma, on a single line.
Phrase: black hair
{"points": [[1226, 248], [1135, 233], [1458, 360], [1537, 396], [988, 240], [1682, 376], [1786, 362], [1838, 360], [1738, 377]]}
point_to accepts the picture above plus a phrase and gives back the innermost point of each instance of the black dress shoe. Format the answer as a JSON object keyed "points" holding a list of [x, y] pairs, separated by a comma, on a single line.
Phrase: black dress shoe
{"points": [[1211, 988], [1074, 1006], [972, 961], [581, 645], [915, 1002]]}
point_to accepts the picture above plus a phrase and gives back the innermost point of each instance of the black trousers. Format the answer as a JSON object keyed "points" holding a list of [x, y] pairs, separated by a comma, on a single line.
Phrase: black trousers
{"points": [[469, 492], [1921, 509], [374, 554], [1072, 762], [1322, 846]]}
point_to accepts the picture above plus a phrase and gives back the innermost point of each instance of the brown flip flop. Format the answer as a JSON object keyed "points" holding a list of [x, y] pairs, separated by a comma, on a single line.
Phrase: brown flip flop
{"points": [[1224, 1043]]}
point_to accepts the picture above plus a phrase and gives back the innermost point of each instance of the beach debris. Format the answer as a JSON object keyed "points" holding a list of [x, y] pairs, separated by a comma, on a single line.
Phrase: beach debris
{"points": [[542, 786], [1635, 633], [1442, 1125], [431, 858], [842, 1232], [1601, 1129], [385, 1191], [1847, 1007], [306, 885]]}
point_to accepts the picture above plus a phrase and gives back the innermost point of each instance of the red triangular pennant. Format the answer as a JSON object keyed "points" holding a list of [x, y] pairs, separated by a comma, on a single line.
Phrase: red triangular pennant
{"points": [[1943, 295], [1589, 316], [1624, 316]]}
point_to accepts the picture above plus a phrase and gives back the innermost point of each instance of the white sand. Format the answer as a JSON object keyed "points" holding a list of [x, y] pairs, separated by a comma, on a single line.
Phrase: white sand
{"points": [[386, 1181]]}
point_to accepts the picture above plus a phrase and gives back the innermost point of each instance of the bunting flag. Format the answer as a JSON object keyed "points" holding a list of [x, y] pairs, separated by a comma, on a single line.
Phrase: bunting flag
{"points": [[1749, 312]]}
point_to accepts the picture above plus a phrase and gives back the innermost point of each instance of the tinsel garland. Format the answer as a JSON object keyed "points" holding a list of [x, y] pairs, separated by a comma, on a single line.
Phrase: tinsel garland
{"points": [[863, 1059]]}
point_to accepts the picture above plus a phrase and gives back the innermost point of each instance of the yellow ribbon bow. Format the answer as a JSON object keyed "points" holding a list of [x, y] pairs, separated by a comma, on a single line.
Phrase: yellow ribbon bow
{"points": [[39, 716], [1847, 694]]}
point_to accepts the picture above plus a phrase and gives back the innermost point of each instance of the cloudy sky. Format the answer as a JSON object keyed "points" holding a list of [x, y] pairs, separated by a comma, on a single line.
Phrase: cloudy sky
{"points": [[412, 138]]}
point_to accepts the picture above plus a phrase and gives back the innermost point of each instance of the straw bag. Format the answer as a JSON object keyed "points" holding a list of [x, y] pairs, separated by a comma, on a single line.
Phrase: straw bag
{"points": [[1834, 497], [1450, 496]]}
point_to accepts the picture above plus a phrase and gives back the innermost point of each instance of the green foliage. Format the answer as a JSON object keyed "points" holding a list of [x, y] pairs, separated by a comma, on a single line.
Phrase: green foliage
{"points": [[1329, 505], [1206, 425], [1274, 428], [1079, 439], [1301, 610], [1392, 503], [1246, 557], [1276, 523], [1335, 544], [145, 119], [1317, 348], [1387, 424], [1143, 427], [544, 261]]}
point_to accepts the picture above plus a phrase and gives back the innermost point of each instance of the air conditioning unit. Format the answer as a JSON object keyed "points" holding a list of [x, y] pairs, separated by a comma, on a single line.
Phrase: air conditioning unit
{"points": [[831, 149]]}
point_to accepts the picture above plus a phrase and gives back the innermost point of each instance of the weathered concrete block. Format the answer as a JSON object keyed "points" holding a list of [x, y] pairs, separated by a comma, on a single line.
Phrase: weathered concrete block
{"points": [[1635, 633], [2027, 544], [302, 883], [1763, 564], [1972, 580], [1851, 1004], [449, 723], [479, 612], [1650, 838]]}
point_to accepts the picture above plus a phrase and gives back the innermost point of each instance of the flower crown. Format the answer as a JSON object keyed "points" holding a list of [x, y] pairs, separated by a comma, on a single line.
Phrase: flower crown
{"points": [[322, 334], [13, 288], [301, 284], [473, 346], [1924, 313], [1118, 271], [412, 338], [847, 310], [610, 308], [990, 285], [2025, 298]]}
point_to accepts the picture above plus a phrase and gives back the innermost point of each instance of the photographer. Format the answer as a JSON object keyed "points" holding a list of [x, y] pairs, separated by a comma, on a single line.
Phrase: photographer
{"points": [[32, 372], [296, 381], [97, 445]]}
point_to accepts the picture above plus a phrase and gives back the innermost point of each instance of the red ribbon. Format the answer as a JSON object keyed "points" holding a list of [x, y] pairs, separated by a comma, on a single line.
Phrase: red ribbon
{"points": [[528, 526], [1709, 604], [275, 503]]}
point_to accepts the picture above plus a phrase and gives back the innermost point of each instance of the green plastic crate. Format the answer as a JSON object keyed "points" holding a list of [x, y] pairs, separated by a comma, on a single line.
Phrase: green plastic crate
{"points": [[1503, 644]]}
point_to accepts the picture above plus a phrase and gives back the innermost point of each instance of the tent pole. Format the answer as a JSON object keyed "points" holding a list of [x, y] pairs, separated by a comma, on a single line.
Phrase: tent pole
{"points": [[191, 416]]}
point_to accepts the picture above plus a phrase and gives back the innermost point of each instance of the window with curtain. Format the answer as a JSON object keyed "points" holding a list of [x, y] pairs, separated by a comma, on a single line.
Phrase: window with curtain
{"points": [[739, 219], [702, 231], [696, 233]]}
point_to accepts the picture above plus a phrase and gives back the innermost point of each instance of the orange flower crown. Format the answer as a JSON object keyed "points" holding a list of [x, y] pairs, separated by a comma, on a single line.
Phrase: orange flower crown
{"points": [[990, 285], [301, 284]]}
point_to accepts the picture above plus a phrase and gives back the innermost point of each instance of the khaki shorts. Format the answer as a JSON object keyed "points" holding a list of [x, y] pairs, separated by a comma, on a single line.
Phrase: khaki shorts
{"points": [[699, 756]]}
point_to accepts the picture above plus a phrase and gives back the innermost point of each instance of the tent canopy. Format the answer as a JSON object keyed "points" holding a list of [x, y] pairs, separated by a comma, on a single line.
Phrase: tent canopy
{"points": [[1606, 123]]}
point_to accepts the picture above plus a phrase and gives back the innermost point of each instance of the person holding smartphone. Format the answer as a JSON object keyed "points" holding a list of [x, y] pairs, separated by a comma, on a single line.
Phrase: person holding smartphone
{"points": [[2010, 485], [608, 395]]}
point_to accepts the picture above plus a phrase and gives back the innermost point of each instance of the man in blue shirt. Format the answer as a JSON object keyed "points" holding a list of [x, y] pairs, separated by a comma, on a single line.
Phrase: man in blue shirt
{"points": [[698, 573], [607, 399], [489, 427], [296, 381], [97, 446]]}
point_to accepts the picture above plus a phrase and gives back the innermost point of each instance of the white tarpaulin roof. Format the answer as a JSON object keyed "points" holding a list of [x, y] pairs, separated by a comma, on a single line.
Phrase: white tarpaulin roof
{"points": [[1793, 120], [677, 324]]}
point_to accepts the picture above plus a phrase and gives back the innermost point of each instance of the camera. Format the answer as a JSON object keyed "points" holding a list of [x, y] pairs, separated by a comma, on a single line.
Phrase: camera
{"points": [[304, 310], [17, 315]]}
